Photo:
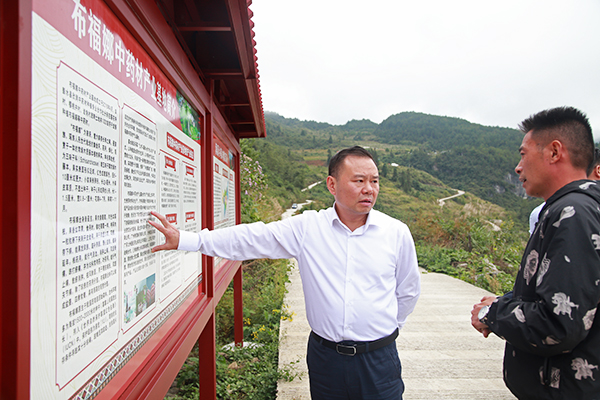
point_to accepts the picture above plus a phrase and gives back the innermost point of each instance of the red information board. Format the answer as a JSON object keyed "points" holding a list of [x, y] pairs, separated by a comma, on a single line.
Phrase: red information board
{"points": [[111, 120], [107, 148]]}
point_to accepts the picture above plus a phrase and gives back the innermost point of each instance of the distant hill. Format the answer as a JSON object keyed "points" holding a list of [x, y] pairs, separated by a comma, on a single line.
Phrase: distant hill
{"points": [[426, 160], [444, 133], [463, 155], [363, 125], [295, 123], [472, 157]]}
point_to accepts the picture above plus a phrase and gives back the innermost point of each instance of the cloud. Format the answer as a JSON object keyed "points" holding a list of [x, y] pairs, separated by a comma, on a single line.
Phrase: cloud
{"points": [[491, 63]]}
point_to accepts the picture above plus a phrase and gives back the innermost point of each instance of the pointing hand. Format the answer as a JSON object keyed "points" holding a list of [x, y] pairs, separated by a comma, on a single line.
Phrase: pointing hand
{"points": [[171, 233]]}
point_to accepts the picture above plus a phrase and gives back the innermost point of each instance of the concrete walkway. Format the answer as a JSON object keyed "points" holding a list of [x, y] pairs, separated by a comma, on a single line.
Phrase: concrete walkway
{"points": [[442, 356]]}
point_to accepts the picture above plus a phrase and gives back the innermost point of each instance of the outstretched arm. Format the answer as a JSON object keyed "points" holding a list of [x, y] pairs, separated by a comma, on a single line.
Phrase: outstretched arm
{"points": [[171, 233]]}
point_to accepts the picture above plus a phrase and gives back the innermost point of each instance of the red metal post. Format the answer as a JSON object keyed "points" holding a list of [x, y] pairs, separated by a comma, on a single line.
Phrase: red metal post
{"points": [[15, 197], [207, 341], [238, 308], [238, 303], [208, 361], [208, 216]]}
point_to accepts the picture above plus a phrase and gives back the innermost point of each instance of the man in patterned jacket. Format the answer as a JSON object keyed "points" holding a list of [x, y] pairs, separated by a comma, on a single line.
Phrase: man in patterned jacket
{"points": [[552, 338]]}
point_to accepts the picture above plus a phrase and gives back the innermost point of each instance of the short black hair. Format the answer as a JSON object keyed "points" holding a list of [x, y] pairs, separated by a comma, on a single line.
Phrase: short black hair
{"points": [[570, 126], [336, 161], [595, 162]]}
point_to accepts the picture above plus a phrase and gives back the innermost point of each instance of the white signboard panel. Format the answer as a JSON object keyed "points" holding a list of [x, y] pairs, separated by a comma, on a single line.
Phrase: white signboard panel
{"points": [[108, 147], [224, 205]]}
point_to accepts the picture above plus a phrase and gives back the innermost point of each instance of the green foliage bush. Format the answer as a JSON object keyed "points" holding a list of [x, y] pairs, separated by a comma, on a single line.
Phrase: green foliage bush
{"points": [[468, 247], [285, 173], [250, 373], [253, 183], [263, 291]]}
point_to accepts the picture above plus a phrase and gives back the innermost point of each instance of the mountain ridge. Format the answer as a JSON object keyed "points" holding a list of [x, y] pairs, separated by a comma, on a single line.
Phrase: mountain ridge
{"points": [[464, 155]]}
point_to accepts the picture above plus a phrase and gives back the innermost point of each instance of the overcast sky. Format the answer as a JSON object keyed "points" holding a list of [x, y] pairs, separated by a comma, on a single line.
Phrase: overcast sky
{"points": [[489, 62]]}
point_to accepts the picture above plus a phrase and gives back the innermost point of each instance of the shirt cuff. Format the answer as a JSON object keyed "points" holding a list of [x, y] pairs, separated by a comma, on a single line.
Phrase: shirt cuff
{"points": [[188, 241]]}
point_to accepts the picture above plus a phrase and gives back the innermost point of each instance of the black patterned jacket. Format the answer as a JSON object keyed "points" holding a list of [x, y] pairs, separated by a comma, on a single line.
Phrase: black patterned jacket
{"points": [[553, 339]]}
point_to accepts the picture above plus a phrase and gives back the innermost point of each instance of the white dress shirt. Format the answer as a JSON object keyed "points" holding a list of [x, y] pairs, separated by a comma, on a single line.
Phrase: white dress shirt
{"points": [[358, 285], [534, 217]]}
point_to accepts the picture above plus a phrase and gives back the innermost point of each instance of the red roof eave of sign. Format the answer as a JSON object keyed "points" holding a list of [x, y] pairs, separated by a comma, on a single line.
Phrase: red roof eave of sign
{"points": [[242, 26]]}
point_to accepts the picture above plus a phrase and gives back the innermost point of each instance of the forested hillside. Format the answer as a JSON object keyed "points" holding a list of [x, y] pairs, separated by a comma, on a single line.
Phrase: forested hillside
{"points": [[471, 157], [466, 237], [437, 133]]}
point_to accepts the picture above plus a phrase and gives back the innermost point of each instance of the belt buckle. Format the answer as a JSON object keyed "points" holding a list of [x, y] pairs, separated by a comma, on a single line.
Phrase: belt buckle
{"points": [[341, 346]]}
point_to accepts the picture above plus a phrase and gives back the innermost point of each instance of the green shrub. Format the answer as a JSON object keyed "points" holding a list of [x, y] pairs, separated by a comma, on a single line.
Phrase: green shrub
{"points": [[250, 372]]}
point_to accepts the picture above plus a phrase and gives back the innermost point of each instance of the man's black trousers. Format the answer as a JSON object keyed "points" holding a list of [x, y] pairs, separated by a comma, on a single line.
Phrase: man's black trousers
{"points": [[374, 375]]}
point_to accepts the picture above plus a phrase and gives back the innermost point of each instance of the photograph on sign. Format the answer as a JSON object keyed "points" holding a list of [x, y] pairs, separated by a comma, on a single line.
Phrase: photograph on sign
{"points": [[224, 205]]}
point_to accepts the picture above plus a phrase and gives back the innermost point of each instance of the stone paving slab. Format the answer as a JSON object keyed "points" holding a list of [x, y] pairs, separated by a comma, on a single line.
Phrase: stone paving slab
{"points": [[442, 356]]}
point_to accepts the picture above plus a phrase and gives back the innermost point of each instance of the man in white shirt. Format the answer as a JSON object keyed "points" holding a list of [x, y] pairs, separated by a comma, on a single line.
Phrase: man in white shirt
{"points": [[359, 272]]}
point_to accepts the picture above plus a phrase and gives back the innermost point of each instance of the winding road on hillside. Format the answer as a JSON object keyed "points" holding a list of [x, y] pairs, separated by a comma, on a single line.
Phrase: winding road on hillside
{"points": [[441, 202], [312, 185], [290, 211]]}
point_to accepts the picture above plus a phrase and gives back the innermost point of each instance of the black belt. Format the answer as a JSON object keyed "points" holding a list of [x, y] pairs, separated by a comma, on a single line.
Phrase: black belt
{"points": [[348, 348]]}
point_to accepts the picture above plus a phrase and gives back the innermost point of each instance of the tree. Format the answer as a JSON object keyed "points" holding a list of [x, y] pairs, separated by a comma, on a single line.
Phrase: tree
{"points": [[252, 182], [406, 181], [375, 157], [384, 170]]}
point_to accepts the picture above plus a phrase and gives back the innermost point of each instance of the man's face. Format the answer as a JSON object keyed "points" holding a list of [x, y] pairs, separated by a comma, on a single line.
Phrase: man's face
{"points": [[356, 186], [532, 168]]}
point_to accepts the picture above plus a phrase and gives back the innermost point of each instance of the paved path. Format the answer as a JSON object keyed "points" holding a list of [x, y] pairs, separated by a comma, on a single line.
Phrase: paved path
{"points": [[442, 356], [312, 185]]}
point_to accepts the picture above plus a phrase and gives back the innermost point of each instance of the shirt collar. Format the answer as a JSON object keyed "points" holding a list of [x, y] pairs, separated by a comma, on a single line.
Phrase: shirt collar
{"points": [[374, 218]]}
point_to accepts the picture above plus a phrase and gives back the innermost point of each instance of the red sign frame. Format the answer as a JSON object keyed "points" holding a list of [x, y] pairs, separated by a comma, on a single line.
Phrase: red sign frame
{"points": [[151, 370]]}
